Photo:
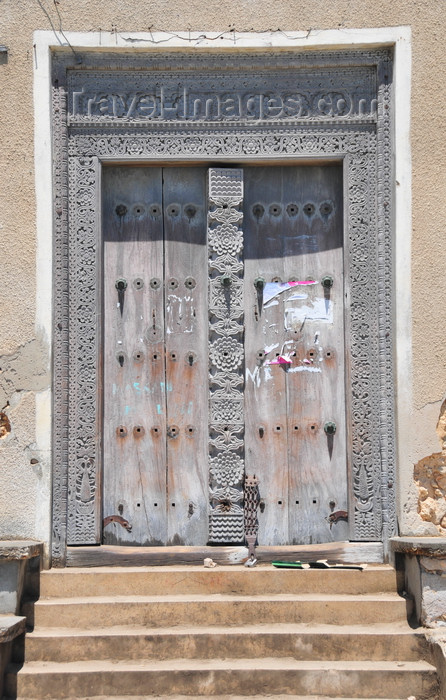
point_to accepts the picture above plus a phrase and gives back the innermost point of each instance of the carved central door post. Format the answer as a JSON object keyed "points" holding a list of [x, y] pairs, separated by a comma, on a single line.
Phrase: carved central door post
{"points": [[226, 355]]}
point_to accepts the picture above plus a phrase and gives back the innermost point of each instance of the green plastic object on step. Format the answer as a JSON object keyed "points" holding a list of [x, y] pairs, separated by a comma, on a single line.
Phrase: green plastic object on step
{"points": [[320, 564]]}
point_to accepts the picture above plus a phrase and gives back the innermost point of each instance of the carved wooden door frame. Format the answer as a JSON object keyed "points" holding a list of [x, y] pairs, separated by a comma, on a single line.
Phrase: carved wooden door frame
{"points": [[250, 112]]}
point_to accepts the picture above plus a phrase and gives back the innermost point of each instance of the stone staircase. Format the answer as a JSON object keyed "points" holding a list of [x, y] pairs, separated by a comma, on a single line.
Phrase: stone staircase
{"points": [[224, 632]]}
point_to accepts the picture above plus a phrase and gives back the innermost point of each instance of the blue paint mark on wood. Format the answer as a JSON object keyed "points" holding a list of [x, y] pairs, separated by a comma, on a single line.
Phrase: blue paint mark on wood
{"points": [[146, 389]]}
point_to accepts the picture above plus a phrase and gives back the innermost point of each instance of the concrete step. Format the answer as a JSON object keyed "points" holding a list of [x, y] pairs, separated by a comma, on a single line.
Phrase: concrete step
{"points": [[377, 642], [229, 632], [218, 609], [201, 677], [223, 579]]}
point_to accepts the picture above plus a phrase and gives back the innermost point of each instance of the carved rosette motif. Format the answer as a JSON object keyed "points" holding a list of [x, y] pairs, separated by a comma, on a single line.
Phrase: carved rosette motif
{"points": [[364, 141], [226, 355]]}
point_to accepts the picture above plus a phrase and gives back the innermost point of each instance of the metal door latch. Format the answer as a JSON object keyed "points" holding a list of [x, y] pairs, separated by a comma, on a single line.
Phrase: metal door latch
{"points": [[251, 521], [117, 519], [333, 518]]}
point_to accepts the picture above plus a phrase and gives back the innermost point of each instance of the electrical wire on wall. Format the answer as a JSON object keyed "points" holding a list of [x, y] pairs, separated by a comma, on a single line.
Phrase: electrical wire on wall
{"points": [[61, 31], [188, 37]]}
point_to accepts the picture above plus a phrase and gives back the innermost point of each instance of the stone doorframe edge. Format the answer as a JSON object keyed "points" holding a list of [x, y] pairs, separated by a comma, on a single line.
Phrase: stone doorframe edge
{"points": [[45, 42]]}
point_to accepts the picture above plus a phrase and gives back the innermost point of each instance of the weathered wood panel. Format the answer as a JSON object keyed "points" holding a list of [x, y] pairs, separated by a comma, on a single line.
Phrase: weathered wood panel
{"points": [[265, 338], [295, 351], [155, 356], [134, 360], [316, 380], [184, 193]]}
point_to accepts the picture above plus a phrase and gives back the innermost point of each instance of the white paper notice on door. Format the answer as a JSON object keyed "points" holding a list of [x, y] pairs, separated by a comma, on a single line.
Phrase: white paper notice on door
{"points": [[318, 309]]}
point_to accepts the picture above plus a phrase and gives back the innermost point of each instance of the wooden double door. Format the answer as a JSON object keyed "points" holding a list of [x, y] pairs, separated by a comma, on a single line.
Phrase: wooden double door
{"points": [[155, 354]]}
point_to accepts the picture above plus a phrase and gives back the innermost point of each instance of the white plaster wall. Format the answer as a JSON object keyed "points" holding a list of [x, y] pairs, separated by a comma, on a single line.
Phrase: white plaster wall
{"points": [[25, 200]]}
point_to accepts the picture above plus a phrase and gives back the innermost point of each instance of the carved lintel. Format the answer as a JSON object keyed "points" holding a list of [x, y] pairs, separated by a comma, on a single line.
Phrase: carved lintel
{"points": [[189, 95]]}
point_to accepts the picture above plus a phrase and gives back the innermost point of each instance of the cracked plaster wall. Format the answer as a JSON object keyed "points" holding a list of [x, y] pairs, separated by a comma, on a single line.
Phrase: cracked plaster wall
{"points": [[25, 492], [25, 464], [430, 481], [425, 441]]}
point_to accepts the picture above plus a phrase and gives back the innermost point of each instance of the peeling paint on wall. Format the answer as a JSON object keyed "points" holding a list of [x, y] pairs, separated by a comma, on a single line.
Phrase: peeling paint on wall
{"points": [[430, 478], [5, 425], [441, 427], [22, 371]]}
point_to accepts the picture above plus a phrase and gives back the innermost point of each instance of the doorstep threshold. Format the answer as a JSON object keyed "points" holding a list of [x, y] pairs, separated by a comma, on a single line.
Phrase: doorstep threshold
{"points": [[114, 555]]}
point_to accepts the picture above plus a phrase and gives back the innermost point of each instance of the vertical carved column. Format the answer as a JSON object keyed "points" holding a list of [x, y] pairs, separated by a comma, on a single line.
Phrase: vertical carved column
{"points": [[60, 337], [386, 176], [226, 356], [363, 343], [84, 524]]}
